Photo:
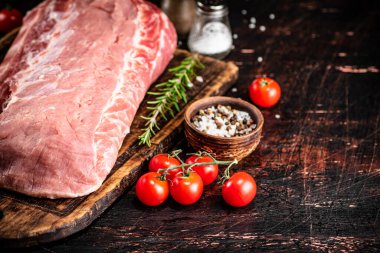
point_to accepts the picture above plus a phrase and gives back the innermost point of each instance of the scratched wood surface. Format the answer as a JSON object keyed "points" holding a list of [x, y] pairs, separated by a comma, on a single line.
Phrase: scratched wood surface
{"points": [[318, 164]]}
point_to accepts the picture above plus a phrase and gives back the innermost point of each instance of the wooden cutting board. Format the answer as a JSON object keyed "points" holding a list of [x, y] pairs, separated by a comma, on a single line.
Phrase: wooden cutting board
{"points": [[26, 221]]}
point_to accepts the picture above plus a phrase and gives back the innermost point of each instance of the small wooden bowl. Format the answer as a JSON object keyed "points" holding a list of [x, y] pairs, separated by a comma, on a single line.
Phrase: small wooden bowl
{"points": [[224, 148]]}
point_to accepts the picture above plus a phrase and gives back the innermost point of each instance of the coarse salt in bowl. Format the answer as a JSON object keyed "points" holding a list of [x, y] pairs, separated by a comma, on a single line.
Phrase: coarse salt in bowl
{"points": [[223, 148]]}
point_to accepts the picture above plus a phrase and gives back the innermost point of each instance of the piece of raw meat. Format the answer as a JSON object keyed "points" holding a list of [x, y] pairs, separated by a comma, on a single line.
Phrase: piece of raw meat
{"points": [[70, 86]]}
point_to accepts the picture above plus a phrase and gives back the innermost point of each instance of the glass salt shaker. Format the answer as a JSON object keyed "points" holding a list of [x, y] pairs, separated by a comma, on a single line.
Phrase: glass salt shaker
{"points": [[211, 33]]}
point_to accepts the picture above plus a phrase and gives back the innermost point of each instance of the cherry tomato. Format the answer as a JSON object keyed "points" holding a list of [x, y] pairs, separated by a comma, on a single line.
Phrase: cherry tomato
{"points": [[151, 190], [208, 173], [265, 92], [164, 161], [186, 189], [9, 19], [239, 190]]}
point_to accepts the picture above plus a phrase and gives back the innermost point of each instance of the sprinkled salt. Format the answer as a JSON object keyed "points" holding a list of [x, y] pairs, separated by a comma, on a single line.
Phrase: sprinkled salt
{"points": [[253, 20], [244, 12], [234, 89], [277, 116], [235, 36], [262, 28], [247, 51], [223, 121], [272, 16], [199, 79], [252, 26], [259, 59]]}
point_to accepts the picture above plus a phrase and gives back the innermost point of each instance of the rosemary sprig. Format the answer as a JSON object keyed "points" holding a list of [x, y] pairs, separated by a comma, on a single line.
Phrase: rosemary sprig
{"points": [[169, 94]]}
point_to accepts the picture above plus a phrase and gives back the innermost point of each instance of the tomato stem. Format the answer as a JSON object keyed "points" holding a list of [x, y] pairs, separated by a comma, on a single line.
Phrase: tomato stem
{"points": [[264, 82], [175, 153], [226, 174], [187, 167]]}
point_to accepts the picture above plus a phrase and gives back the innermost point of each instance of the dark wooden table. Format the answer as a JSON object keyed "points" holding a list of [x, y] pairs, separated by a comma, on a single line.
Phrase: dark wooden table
{"points": [[318, 164]]}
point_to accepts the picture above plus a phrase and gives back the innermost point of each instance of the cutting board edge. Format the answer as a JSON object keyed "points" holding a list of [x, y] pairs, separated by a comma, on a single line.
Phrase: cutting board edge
{"points": [[96, 210]]}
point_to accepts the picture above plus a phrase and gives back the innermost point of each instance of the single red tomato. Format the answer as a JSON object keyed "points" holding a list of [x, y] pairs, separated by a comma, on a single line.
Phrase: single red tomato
{"points": [[164, 161], [265, 92], [239, 190], [9, 19], [208, 173], [151, 190], [186, 189]]}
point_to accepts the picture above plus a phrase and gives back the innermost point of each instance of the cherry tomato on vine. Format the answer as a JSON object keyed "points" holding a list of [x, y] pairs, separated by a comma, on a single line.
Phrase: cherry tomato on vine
{"points": [[208, 173], [9, 19], [265, 92], [186, 189], [164, 161], [151, 190], [239, 190]]}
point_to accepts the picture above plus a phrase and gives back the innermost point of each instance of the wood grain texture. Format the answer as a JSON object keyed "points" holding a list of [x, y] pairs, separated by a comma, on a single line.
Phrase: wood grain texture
{"points": [[318, 163], [27, 221]]}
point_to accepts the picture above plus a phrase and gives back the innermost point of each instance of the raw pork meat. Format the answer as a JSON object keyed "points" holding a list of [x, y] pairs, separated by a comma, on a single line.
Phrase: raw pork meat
{"points": [[70, 86]]}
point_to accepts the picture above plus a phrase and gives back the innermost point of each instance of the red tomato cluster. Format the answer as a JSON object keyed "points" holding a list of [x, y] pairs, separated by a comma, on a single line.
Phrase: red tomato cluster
{"points": [[186, 188]]}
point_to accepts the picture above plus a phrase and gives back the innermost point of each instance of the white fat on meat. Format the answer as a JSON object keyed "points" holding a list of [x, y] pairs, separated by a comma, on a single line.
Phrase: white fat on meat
{"points": [[70, 86]]}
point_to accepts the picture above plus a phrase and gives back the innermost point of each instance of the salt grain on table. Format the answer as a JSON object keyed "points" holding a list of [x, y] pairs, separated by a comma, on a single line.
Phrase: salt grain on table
{"points": [[262, 28], [272, 16], [252, 26], [199, 79], [259, 59]]}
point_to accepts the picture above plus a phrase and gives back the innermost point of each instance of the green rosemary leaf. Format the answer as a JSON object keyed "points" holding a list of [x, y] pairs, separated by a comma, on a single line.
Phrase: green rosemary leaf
{"points": [[146, 118], [163, 115], [154, 93], [161, 85], [153, 102], [177, 107], [168, 96]]}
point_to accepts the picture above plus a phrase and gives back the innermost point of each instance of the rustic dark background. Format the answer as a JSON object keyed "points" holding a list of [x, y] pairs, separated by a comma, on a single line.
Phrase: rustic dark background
{"points": [[317, 167]]}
